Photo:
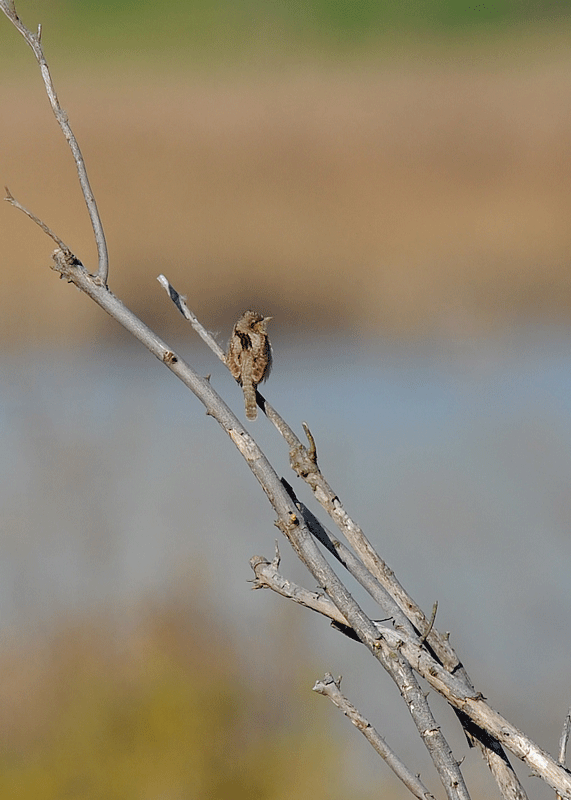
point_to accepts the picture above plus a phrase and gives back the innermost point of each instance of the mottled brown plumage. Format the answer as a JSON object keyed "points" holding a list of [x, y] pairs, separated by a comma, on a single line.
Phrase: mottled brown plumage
{"points": [[249, 356]]}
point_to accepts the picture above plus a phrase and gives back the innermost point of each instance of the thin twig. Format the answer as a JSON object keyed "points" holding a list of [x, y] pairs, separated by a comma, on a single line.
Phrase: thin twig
{"points": [[34, 41], [312, 451], [563, 742], [330, 687], [425, 635], [180, 302], [268, 577], [12, 200]]}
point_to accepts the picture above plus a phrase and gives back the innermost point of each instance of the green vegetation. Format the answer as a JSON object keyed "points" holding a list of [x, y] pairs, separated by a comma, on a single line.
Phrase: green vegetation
{"points": [[351, 18], [222, 31]]}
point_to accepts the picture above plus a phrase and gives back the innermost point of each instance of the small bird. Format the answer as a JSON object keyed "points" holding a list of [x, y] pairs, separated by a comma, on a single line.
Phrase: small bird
{"points": [[249, 356]]}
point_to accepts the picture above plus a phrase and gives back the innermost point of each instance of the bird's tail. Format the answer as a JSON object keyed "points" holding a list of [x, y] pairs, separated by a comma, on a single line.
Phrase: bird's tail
{"points": [[250, 400]]}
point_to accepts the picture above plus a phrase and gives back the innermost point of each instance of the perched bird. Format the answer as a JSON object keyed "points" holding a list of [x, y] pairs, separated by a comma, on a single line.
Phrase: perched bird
{"points": [[249, 356]]}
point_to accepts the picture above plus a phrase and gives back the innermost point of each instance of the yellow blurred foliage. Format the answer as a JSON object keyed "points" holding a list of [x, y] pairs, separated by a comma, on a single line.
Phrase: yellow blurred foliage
{"points": [[163, 711]]}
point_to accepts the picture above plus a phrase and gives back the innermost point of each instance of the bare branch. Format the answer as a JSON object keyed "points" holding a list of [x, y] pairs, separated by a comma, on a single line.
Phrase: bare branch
{"points": [[12, 200], [288, 521], [180, 302], [312, 452], [425, 635], [267, 576], [379, 581], [353, 565], [384, 648], [563, 742], [449, 686], [304, 462], [34, 41], [331, 689], [297, 532]]}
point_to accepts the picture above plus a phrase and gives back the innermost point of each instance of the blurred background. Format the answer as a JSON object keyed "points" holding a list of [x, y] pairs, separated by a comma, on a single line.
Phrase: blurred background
{"points": [[392, 182]]}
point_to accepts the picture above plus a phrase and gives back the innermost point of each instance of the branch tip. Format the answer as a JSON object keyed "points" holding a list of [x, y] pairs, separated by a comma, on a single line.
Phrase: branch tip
{"points": [[180, 302], [312, 452], [564, 741], [426, 634], [277, 557]]}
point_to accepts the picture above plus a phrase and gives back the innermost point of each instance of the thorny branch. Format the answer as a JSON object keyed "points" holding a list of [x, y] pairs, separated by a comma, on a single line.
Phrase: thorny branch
{"points": [[411, 642]]}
